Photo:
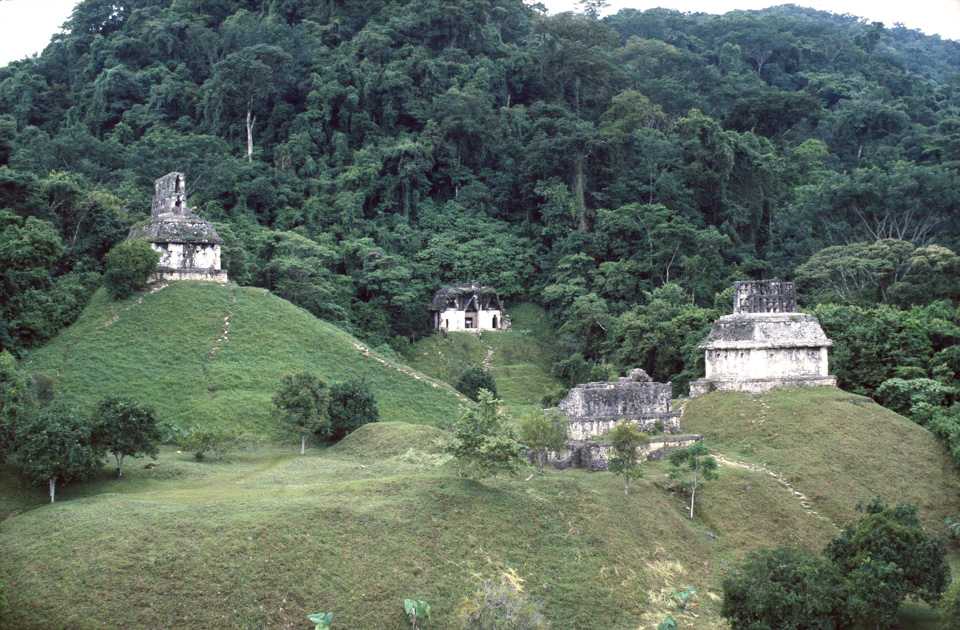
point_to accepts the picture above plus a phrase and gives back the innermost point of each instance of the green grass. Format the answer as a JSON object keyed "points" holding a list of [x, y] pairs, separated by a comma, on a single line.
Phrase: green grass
{"points": [[266, 537], [520, 362], [836, 448], [158, 349]]}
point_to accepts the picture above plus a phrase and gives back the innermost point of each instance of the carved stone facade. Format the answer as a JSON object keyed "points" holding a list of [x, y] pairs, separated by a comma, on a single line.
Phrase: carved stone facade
{"points": [[593, 409], [764, 344], [189, 246], [467, 307]]}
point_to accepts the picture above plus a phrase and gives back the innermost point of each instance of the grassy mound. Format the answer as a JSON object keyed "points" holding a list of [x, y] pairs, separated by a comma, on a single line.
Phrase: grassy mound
{"points": [[834, 447], [520, 359], [266, 536], [388, 440], [207, 353]]}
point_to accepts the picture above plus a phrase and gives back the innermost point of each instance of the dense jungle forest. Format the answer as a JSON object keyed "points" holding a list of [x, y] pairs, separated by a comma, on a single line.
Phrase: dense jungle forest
{"points": [[620, 172]]}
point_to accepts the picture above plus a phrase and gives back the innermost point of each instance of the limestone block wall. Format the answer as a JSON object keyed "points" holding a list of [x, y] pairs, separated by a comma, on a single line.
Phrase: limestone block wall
{"points": [[188, 255], [766, 362], [588, 428], [454, 320], [616, 400], [594, 455]]}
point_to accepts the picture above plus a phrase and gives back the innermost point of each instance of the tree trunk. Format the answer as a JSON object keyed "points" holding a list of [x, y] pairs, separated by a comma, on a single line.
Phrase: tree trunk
{"points": [[251, 121], [53, 488], [693, 496], [495, 486], [303, 444], [626, 486], [119, 458]]}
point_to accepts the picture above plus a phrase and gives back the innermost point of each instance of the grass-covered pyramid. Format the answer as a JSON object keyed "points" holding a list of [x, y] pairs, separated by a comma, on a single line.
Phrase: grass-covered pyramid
{"points": [[207, 353]]}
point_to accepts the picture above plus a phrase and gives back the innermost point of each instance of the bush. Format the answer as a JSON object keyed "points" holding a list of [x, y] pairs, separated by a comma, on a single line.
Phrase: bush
{"points": [[912, 397], [950, 608], [351, 406], [543, 431], [128, 267], [475, 379], [782, 589], [484, 443], [500, 605], [887, 557]]}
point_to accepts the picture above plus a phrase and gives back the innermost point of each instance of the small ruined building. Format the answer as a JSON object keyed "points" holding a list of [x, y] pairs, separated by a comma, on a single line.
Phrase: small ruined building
{"points": [[469, 306], [189, 246], [764, 344], [593, 409]]}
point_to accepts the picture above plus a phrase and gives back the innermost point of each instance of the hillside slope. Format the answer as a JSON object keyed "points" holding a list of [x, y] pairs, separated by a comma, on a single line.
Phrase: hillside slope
{"points": [[214, 354], [266, 537], [836, 448], [519, 359]]}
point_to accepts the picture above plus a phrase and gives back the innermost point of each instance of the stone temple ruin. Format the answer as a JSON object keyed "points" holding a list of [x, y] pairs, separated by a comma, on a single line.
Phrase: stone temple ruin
{"points": [[764, 344], [593, 409], [469, 306], [189, 246]]}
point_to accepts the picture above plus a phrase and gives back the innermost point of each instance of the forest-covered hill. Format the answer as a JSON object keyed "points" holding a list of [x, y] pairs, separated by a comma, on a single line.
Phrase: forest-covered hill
{"points": [[619, 172]]}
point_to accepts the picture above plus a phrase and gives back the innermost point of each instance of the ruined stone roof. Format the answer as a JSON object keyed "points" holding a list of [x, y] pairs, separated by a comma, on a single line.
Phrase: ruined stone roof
{"points": [[764, 296], [466, 296], [632, 397], [766, 330], [171, 219]]}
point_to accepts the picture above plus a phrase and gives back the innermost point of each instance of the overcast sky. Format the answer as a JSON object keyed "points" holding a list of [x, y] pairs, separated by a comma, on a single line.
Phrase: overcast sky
{"points": [[26, 25]]}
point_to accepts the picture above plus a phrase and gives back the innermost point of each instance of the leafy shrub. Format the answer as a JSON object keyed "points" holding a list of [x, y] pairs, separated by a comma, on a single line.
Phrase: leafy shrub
{"points": [[949, 607], [784, 588], [216, 440], [484, 443], [500, 605], [886, 557], [915, 397], [351, 406], [475, 379], [128, 267], [543, 431]]}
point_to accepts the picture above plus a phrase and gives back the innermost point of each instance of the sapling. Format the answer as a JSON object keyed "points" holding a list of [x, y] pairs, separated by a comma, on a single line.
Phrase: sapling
{"points": [[700, 466], [626, 438], [417, 610], [322, 620]]}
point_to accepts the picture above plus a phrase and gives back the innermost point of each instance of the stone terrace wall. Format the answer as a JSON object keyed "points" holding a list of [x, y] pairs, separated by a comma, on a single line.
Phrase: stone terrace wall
{"points": [[594, 408]]}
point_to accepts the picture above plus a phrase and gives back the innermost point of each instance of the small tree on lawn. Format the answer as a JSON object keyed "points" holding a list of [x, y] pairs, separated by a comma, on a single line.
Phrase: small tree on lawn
{"points": [[128, 267], [484, 444], [351, 406], [475, 379], [55, 445], [626, 438], [696, 465], [125, 427], [543, 431], [302, 400]]}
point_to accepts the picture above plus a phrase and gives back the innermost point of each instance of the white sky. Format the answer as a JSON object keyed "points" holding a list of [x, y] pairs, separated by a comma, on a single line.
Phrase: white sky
{"points": [[27, 25]]}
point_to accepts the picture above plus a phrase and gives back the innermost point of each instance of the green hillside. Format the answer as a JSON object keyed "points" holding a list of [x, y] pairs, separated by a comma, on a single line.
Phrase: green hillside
{"points": [[266, 537], [519, 359], [209, 353], [834, 447]]}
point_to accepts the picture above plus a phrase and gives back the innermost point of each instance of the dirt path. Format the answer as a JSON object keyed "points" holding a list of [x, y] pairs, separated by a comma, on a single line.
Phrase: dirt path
{"points": [[409, 372], [804, 501], [220, 341]]}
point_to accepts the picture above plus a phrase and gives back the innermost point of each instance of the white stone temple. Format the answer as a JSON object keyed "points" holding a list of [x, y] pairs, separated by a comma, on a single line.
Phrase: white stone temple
{"points": [[467, 307], [764, 344], [189, 246]]}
